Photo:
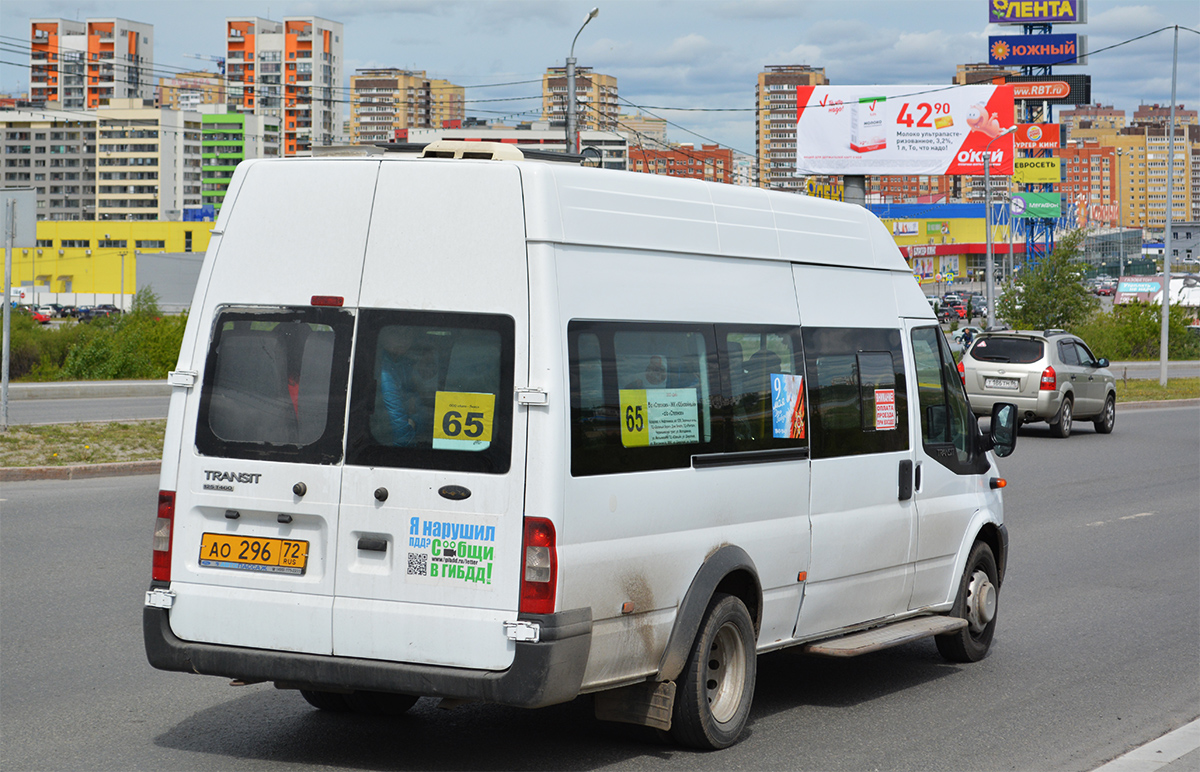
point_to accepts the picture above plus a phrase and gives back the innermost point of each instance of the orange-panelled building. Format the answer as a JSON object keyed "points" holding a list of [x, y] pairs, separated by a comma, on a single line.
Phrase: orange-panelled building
{"points": [[290, 70], [709, 162], [83, 65]]}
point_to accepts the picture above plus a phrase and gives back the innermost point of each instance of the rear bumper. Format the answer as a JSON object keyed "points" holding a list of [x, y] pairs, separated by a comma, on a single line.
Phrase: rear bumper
{"points": [[1042, 407], [543, 673]]}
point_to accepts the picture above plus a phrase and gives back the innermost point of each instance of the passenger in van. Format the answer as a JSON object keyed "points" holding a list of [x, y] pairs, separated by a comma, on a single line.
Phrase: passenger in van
{"points": [[655, 377], [396, 383]]}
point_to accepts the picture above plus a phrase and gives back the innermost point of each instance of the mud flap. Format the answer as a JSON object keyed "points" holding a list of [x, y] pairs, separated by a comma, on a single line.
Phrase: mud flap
{"points": [[649, 703]]}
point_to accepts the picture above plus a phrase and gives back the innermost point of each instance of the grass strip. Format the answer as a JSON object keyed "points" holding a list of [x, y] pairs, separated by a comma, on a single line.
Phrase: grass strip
{"points": [[1139, 390], [81, 443]]}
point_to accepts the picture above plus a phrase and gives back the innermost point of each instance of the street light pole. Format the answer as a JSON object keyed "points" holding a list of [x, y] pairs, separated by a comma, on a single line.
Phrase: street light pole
{"points": [[571, 146], [987, 205]]}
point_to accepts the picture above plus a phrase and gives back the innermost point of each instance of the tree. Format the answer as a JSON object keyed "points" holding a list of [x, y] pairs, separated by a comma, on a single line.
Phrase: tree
{"points": [[1050, 294]]}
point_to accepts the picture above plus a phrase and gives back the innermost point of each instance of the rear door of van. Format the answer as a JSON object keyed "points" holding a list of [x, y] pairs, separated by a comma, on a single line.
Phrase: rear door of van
{"points": [[429, 537], [258, 478]]}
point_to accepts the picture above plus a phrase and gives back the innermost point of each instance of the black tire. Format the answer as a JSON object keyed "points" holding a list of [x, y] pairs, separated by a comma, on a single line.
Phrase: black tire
{"points": [[1061, 425], [380, 703], [976, 602], [715, 689], [1107, 419], [329, 701]]}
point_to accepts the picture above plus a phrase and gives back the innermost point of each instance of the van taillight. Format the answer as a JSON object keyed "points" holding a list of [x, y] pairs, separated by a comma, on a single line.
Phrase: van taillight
{"points": [[962, 373], [1049, 380], [539, 571], [161, 571]]}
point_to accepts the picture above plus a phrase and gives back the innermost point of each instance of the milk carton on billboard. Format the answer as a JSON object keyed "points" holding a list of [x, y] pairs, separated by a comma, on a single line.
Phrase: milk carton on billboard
{"points": [[868, 130]]}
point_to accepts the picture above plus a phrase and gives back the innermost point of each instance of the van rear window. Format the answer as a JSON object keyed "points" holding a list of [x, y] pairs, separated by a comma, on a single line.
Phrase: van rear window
{"points": [[1021, 351], [432, 391], [275, 385]]}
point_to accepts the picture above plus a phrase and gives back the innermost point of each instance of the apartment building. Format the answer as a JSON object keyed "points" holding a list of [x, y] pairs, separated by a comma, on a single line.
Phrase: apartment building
{"points": [[775, 127], [1090, 181], [148, 161], [912, 188], [228, 138], [711, 163], [981, 73], [291, 70], [385, 100], [82, 65], [55, 153], [596, 104], [1095, 116], [643, 130], [190, 90], [1161, 116]]}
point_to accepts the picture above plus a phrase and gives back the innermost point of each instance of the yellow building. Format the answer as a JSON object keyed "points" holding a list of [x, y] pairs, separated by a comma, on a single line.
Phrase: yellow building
{"points": [[100, 257], [189, 90], [383, 101], [596, 106]]}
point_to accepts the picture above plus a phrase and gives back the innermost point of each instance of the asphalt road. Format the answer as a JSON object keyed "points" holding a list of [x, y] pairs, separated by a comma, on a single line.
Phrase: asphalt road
{"points": [[1096, 650], [61, 411]]}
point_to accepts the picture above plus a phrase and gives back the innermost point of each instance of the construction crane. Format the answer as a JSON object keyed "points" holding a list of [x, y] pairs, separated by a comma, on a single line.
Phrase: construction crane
{"points": [[220, 60]]}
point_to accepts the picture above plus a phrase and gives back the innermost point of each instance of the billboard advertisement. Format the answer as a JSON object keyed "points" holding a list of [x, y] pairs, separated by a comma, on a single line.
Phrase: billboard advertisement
{"points": [[1036, 171], [1037, 11], [902, 129], [1063, 90], [1014, 50], [1037, 205], [1037, 136]]}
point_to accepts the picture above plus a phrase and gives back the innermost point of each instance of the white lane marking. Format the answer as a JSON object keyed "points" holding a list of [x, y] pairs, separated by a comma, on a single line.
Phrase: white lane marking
{"points": [[1126, 517], [1158, 753]]}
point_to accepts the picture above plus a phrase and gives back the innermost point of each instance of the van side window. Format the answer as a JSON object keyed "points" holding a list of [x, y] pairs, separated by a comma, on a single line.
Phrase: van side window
{"points": [[432, 391], [641, 395], [857, 391], [946, 417], [762, 375], [275, 385]]}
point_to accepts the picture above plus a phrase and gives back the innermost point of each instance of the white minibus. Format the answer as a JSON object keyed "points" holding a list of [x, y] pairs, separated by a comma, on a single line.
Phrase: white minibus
{"points": [[478, 427]]}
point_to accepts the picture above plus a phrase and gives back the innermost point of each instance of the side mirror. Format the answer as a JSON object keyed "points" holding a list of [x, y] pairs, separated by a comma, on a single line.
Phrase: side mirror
{"points": [[1003, 433], [1102, 363]]}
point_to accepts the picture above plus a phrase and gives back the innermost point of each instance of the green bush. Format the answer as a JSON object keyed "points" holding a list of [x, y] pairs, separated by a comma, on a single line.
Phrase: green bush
{"points": [[1134, 330]]}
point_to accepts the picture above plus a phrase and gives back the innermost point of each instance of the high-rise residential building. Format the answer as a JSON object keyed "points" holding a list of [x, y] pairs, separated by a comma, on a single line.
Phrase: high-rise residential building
{"points": [[775, 129], [643, 130], [291, 70], [55, 154], [1095, 116], [1161, 116], [149, 161], [912, 188], [708, 162], [385, 100], [1090, 180], [228, 139], [596, 104], [82, 65], [190, 90]]}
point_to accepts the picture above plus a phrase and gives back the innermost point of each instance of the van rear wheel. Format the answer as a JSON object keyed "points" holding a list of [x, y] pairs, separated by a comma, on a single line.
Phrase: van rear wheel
{"points": [[976, 603], [712, 701], [330, 701]]}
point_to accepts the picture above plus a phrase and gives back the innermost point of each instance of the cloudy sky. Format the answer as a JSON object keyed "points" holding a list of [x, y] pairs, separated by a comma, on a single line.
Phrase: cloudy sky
{"points": [[673, 57]]}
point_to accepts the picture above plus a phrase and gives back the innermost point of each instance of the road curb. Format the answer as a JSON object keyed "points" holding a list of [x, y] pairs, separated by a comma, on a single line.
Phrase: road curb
{"points": [[1158, 403], [78, 471]]}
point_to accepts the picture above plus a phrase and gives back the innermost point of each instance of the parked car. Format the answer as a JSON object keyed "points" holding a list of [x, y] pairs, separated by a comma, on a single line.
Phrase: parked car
{"points": [[88, 313], [1107, 290], [37, 315], [1049, 375], [108, 308], [67, 312], [958, 334]]}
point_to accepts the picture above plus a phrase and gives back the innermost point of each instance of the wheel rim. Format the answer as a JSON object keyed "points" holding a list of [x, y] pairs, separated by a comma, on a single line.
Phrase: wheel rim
{"points": [[1066, 415], [1110, 413], [725, 673], [981, 602]]}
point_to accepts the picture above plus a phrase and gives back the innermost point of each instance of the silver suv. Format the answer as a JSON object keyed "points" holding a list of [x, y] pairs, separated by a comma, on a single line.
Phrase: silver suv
{"points": [[1049, 375]]}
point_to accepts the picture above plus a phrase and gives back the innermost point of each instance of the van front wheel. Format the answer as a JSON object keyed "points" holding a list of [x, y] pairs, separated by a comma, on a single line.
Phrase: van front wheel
{"points": [[975, 602], [712, 702]]}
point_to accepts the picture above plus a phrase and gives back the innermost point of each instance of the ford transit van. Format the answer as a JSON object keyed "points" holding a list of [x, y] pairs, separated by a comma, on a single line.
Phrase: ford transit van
{"points": [[487, 428]]}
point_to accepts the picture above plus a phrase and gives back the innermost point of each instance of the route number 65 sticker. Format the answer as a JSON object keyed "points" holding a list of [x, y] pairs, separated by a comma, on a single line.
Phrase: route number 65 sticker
{"points": [[462, 420]]}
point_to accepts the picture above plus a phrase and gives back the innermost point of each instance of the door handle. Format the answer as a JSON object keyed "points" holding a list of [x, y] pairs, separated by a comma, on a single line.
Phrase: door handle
{"points": [[373, 545], [906, 480]]}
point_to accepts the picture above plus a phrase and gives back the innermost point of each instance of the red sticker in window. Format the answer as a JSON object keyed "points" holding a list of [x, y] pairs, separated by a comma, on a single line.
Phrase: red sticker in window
{"points": [[885, 409]]}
